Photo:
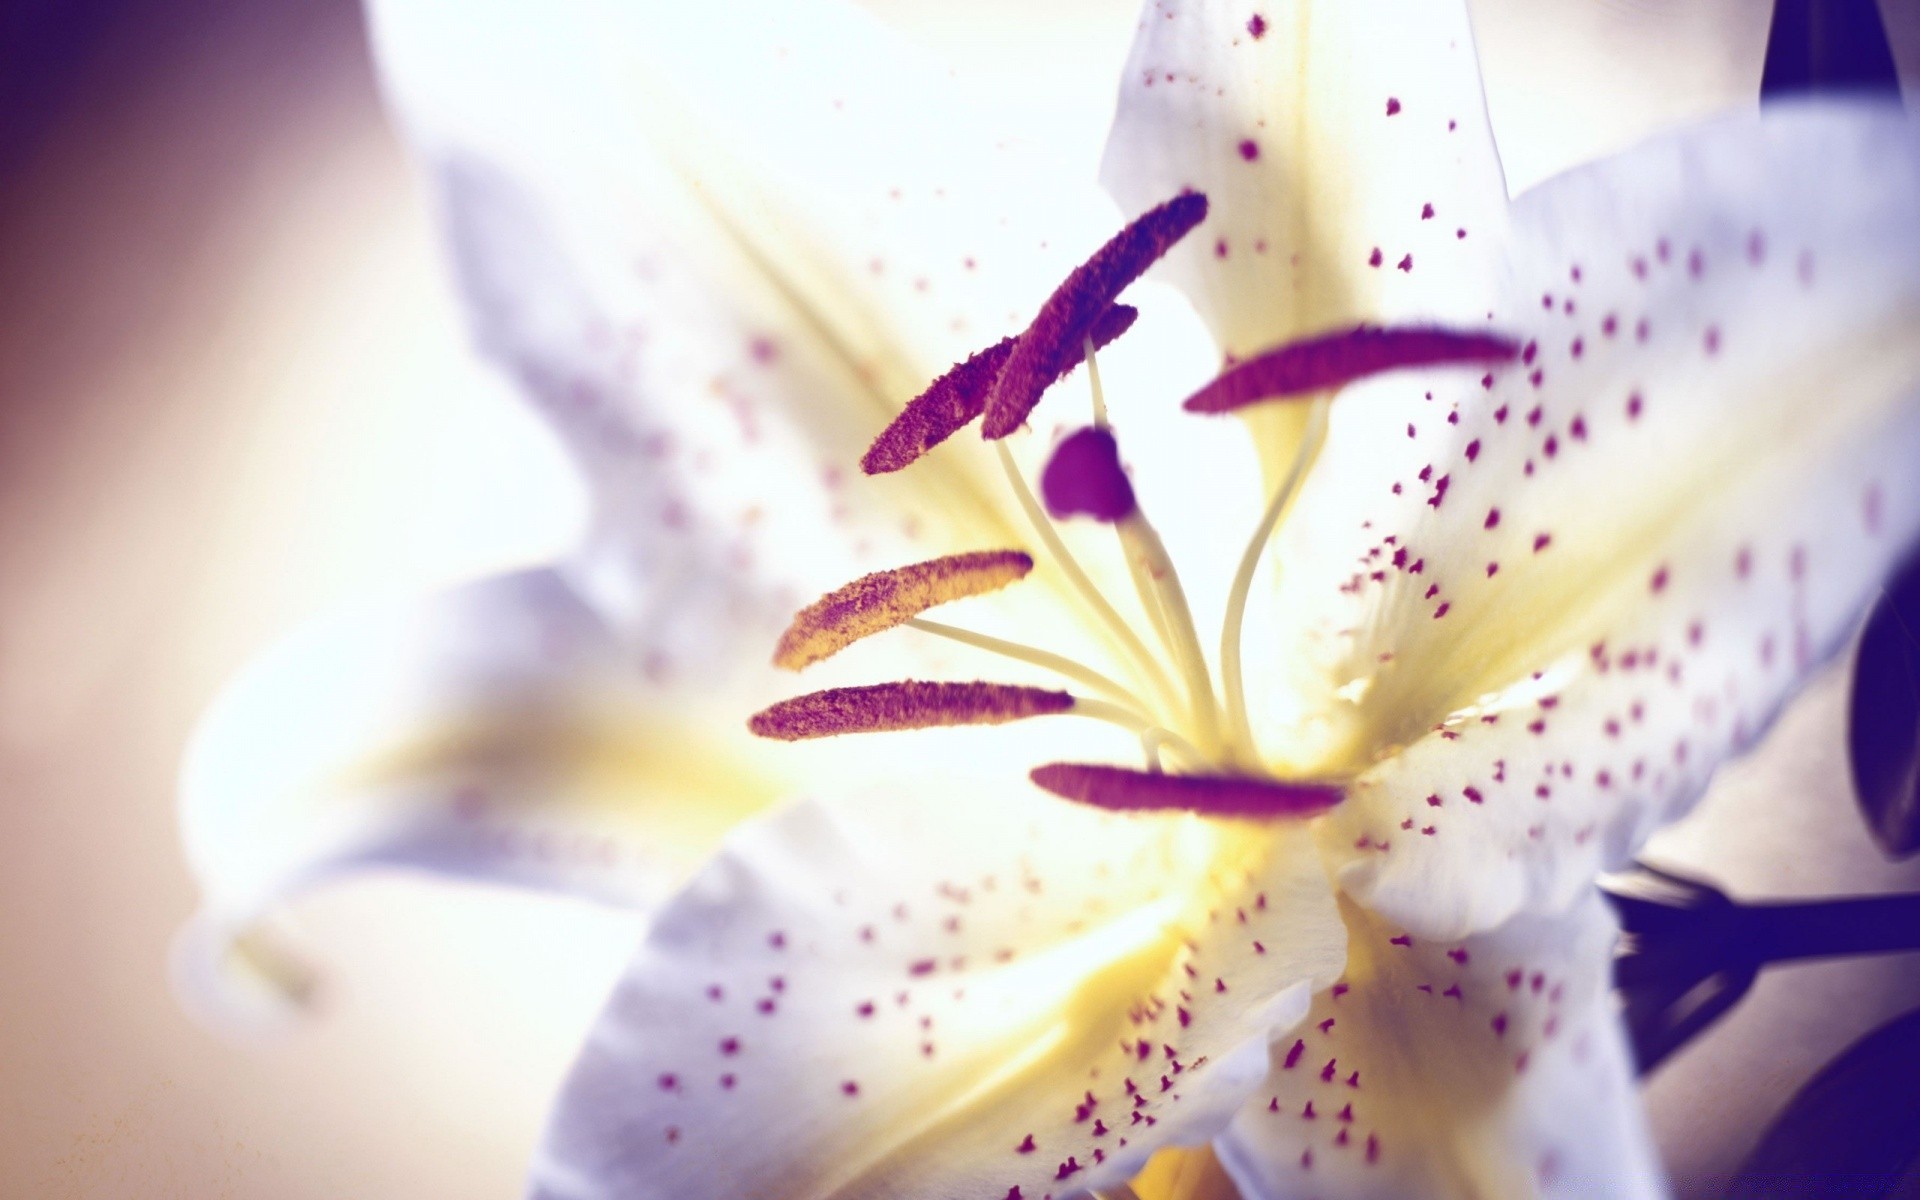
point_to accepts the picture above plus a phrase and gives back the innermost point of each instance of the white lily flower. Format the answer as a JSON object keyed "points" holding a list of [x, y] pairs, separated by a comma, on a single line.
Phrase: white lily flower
{"points": [[1523, 607], [581, 726]]}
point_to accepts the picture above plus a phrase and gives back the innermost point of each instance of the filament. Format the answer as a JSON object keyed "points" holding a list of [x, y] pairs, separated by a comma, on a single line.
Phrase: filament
{"points": [[1231, 677], [1139, 534], [1060, 664]]}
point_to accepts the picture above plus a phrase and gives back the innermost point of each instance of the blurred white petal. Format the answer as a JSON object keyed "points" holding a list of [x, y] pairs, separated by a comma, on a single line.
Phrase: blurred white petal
{"points": [[494, 733]]}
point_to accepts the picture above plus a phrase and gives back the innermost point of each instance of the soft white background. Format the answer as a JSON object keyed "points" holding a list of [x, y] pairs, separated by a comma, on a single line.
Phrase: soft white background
{"points": [[235, 393]]}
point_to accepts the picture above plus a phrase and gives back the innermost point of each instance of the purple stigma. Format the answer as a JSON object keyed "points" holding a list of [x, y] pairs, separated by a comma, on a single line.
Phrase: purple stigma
{"points": [[1337, 359], [1084, 478]]}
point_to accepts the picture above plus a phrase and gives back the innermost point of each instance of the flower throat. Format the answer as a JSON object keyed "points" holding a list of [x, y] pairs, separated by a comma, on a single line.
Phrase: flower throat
{"points": [[1171, 702]]}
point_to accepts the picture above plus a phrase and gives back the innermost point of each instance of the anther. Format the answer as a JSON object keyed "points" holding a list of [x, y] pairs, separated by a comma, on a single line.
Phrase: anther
{"points": [[959, 396], [886, 707], [874, 603], [1070, 313], [1084, 478], [1118, 789], [1333, 360]]}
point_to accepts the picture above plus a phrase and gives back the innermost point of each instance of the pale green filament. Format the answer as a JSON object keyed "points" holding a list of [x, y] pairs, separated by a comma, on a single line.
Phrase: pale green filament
{"points": [[1231, 678], [1114, 714], [1151, 741], [1138, 535], [1059, 664], [1093, 375], [1128, 714]]}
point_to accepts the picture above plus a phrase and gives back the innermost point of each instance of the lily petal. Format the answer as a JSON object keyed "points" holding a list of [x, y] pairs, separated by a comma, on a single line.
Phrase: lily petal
{"points": [[492, 733], [1489, 1067], [1344, 145], [944, 990], [719, 300], [1567, 591]]}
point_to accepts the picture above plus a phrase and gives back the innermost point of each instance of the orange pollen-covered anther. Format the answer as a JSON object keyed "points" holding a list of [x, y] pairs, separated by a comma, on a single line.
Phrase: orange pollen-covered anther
{"points": [[875, 603], [885, 707], [1120, 790], [959, 396], [1069, 314], [1318, 364]]}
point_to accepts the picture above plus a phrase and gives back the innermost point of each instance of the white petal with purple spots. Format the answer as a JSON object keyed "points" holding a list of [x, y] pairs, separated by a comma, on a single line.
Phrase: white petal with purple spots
{"points": [[944, 990], [1345, 147], [1554, 598], [1487, 1067]]}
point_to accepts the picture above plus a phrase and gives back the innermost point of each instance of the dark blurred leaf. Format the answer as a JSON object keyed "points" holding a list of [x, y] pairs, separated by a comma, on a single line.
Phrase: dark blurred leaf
{"points": [[1883, 719], [1827, 46], [1854, 1131], [1681, 966]]}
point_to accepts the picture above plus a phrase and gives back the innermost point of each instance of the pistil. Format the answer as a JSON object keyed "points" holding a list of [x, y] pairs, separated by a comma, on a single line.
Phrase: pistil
{"points": [[1142, 584], [1077, 576], [1084, 477]]}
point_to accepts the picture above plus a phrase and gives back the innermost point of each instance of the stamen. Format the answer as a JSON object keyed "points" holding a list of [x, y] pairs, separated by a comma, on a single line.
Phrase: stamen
{"points": [[1084, 478], [886, 707], [956, 398], [880, 601], [1069, 314], [1118, 789], [1336, 359]]}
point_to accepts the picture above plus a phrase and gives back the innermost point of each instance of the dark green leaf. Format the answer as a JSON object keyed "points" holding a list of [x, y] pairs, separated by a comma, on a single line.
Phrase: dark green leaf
{"points": [[1883, 720], [1854, 1131]]}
